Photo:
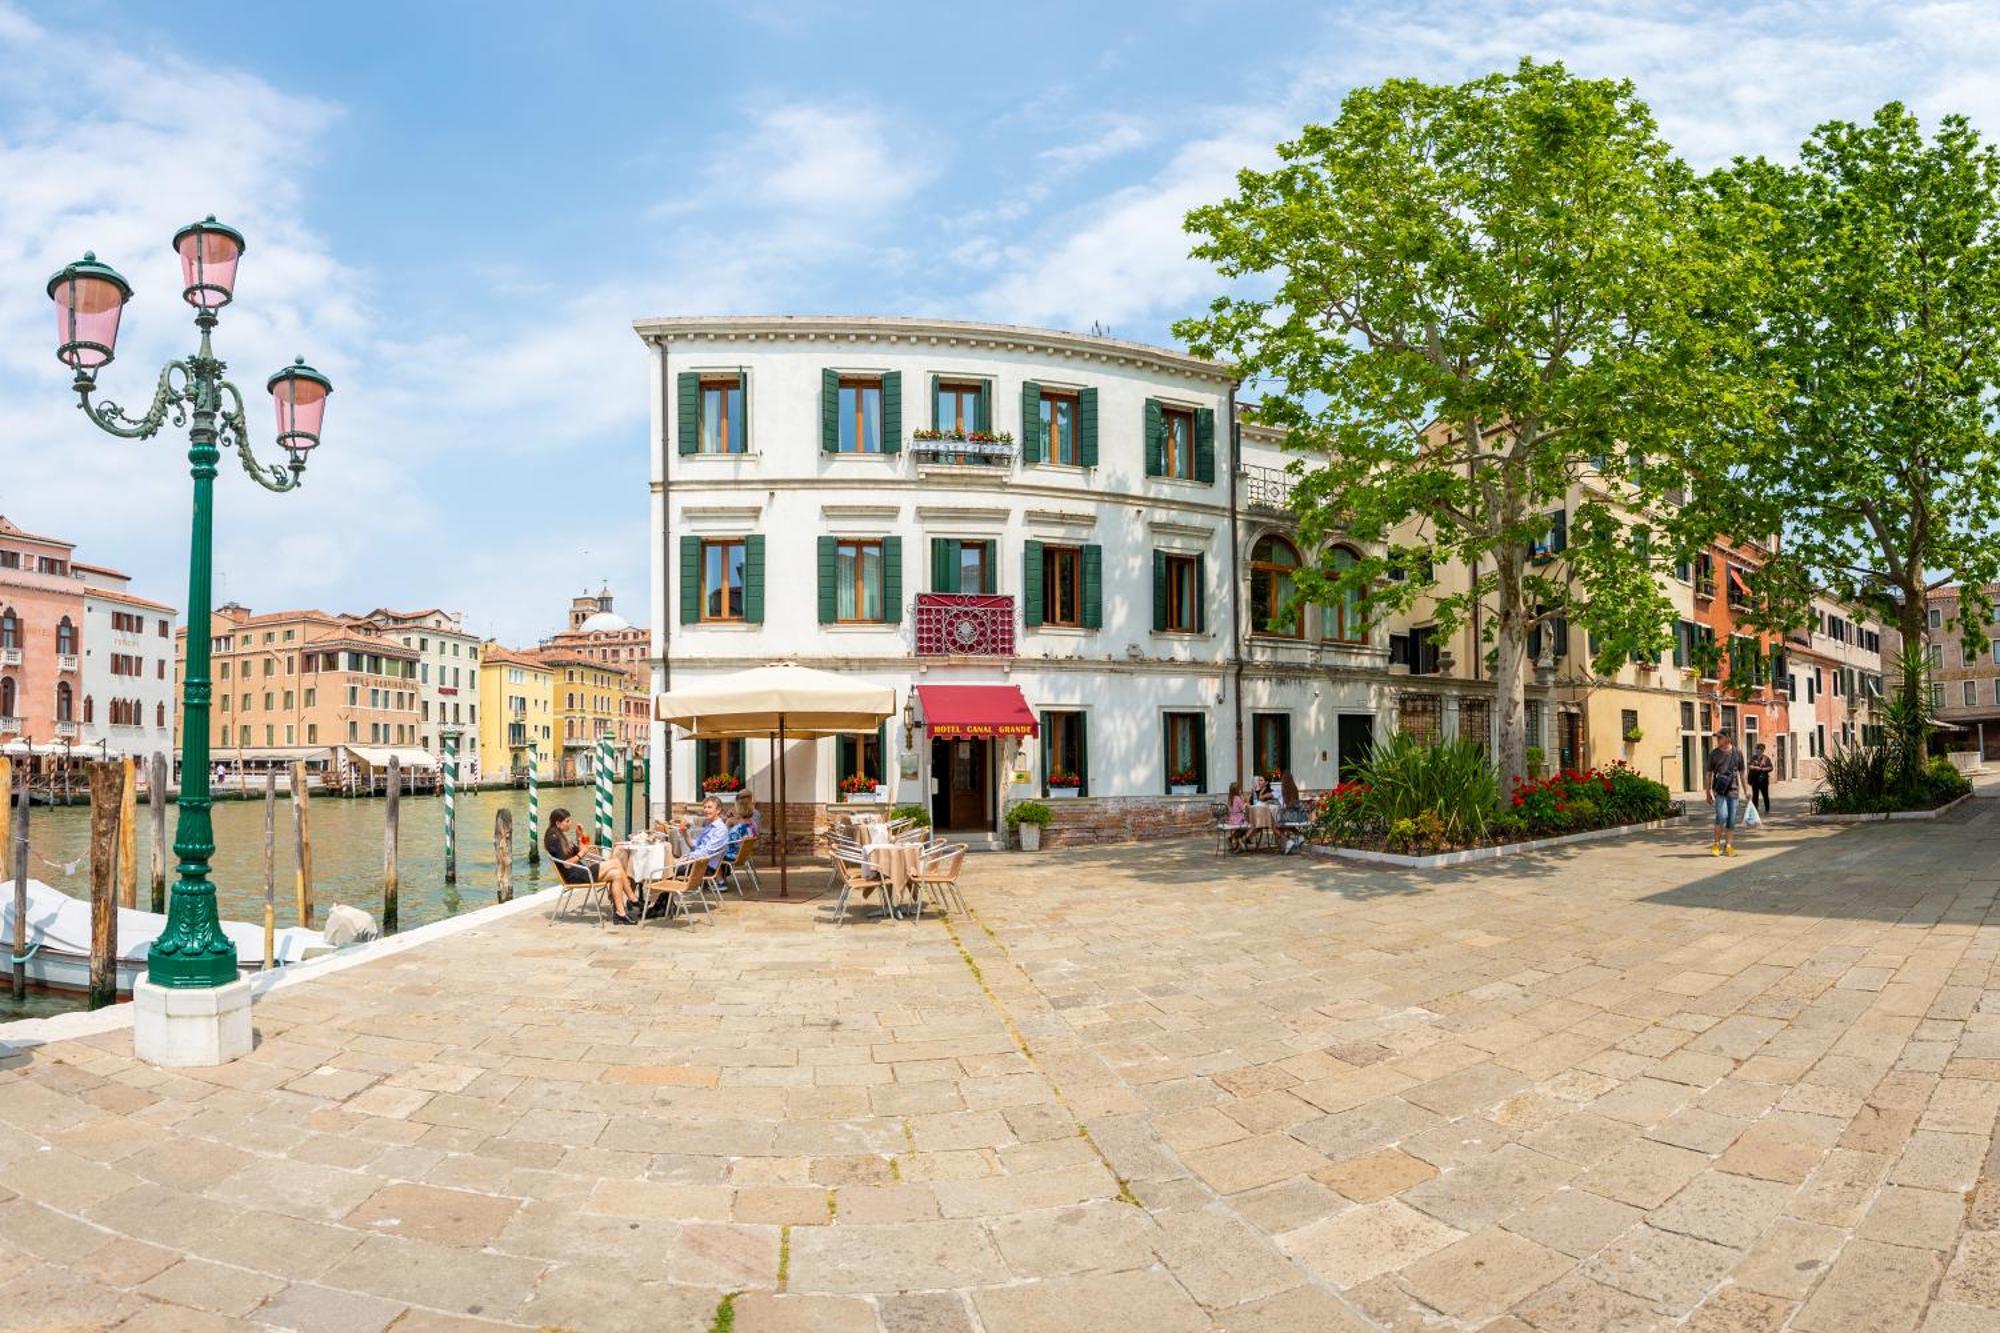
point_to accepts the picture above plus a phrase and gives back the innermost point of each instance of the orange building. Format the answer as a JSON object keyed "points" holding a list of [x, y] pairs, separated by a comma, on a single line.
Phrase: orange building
{"points": [[1745, 693]]}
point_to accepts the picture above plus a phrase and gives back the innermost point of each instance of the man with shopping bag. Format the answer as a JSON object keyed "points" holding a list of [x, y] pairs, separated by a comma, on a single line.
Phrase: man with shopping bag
{"points": [[1725, 789]]}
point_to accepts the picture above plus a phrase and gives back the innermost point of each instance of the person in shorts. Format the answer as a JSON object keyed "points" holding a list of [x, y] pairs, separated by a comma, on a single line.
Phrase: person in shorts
{"points": [[1725, 788]]}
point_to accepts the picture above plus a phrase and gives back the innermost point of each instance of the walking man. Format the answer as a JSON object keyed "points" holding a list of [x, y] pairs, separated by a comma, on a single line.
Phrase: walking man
{"points": [[1760, 777], [1725, 789]]}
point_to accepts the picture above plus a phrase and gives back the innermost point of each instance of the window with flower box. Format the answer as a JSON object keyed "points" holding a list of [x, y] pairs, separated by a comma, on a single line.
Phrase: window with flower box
{"points": [[1065, 752], [1184, 738], [1271, 743], [719, 768], [857, 763]]}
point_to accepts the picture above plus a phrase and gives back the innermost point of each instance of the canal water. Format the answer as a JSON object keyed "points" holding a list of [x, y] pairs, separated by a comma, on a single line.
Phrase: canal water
{"points": [[347, 858]]}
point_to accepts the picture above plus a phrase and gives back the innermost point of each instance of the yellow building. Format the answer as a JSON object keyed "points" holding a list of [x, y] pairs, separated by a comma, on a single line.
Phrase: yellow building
{"points": [[588, 702], [516, 711]]}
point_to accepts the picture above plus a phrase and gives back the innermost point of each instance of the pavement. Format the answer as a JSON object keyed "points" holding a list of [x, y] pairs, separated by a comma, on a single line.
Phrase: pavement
{"points": [[1623, 1085]]}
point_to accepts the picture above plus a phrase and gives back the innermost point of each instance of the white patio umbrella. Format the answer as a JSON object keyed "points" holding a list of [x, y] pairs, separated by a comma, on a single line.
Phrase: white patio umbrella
{"points": [[777, 702]]}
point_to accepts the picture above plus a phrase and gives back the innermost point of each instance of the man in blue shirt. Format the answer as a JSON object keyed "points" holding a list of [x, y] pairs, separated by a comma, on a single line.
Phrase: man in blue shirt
{"points": [[713, 840]]}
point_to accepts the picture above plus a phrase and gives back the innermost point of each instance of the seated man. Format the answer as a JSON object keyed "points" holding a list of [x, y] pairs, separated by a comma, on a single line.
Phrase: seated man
{"points": [[577, 863], [713, 839]]}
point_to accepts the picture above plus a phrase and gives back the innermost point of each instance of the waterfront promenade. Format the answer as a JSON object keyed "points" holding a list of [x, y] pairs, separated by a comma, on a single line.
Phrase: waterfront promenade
{"points": [[1145, 1087]]}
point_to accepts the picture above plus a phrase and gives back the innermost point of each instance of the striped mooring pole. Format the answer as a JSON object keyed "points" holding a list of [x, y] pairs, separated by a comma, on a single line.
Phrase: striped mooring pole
{"points": [[534, 809], [604, 781], [450, 808]]}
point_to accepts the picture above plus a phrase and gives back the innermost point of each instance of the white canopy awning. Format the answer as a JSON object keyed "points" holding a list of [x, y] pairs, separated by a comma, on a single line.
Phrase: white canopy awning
{"points": [[763, 700], [378, 756]]}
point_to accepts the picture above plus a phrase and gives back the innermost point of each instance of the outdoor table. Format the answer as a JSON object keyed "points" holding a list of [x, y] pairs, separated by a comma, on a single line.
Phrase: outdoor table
{"points": [[897, 864], [1264, 823]]}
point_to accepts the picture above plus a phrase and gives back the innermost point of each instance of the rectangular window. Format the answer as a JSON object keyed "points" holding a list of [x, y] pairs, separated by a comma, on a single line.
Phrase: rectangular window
{"points": [[1687, 716], [857, 757], [1628, 721], [1065, 755], [1271, 743], [1062, 586], [1971, 693], [716, 761], [959, 406], [1183, 594], [1936, 618], [1531, 722], [1177, 442], [1186, 750], [975, 567], [722, 416], [860, 410], [1059, 427], [857, 587], [722, 580]]}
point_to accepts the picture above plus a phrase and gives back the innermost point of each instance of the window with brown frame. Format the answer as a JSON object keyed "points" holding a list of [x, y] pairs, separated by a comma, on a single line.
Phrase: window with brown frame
{"points": [[860, 416], [1177, 442], [722, 580], [1183, 594], [722, 416], [1343, 621], [1273, 561], [958, 406], [857, 582], [1062, 586], [1059, 428]]}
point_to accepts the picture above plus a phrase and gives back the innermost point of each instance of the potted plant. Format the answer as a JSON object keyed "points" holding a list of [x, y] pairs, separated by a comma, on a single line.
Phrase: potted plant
{"points": [[1634, 736], [1182, 782], [916, 814], [861, 787], [721, 784], [1028, 819], [1064, 785]]}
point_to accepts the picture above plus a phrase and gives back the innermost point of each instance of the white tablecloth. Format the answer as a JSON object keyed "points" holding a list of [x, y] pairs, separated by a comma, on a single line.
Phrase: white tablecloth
{"points": [[649, 860]]}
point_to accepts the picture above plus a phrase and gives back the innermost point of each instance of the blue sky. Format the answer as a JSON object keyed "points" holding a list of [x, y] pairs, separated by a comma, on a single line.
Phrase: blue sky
{"points": [[457, 210]]}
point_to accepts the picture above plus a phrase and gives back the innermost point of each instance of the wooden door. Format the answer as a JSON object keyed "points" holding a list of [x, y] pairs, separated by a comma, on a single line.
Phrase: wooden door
{"points": [[968, 784]]}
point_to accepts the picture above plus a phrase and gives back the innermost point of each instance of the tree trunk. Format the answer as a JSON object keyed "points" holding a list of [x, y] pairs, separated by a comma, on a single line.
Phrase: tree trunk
{"points": [[1510, 672], [1912, 621]]}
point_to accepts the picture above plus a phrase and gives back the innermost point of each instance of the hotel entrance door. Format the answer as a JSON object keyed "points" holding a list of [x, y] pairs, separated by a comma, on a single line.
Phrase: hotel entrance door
{"points": [[962, 784]]}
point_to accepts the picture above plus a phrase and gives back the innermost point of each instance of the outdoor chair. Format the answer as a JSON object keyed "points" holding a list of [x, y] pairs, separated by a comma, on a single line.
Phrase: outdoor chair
{"points": [[742, 864], [937, 878], [682, 885], [853, 874], [593, 893]]}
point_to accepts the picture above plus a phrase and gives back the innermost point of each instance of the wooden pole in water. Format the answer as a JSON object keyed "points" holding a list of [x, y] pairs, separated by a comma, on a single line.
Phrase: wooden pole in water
{"points": [[391, 824], [157, 808], [6, 813], [105, 781], [302, 817], [128, 832], [503, 852], [21, 811], [270, 868]]}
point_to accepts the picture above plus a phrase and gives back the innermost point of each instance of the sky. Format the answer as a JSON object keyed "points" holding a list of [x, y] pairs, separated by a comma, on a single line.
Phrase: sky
{"points": [[456, 211]]}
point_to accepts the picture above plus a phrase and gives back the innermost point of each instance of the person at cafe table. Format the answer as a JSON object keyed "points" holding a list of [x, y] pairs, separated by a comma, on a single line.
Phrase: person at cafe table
{"points": [[713, 839]]}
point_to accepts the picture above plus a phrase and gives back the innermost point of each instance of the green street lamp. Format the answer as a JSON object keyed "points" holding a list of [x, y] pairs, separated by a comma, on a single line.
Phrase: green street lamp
{"points": [[192, 952]]}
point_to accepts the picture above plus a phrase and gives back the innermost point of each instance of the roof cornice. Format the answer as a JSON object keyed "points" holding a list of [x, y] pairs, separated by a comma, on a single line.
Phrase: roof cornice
{"points": [[889, 329]]}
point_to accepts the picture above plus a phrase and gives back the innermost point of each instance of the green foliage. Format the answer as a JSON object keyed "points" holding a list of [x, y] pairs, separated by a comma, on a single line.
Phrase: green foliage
{"points": [[1424, 835], [1029, 812], [1537, 760], [1878, 779], [916, 813], [1465, 295], [1452, 779]]}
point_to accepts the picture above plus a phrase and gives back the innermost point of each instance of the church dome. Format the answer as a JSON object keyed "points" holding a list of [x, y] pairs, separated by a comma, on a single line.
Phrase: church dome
{"points": [[604, 621]]}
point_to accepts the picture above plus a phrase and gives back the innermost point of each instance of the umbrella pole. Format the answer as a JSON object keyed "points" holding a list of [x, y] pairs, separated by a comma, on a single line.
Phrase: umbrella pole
{"points": [[784, 861]]}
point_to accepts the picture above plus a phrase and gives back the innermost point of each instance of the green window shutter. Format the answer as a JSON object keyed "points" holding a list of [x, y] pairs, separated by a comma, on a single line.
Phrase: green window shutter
{"points": [[1159, 590], [1560, 541], [1201, 593], [1204, 444], [935, 423], [743, 402], [700, 764], [827, 604], [690, 580], [1045, 753], [1083, 752], [1031, 422], [1031, 584], [753, 579], [1156, 446], [984, 416], [1200, 753], [944, 566], [1086, 426], [1093, 587], [829, 411], [892, 411], [1166, 752], [990, 571], [690, 412], [892, 580]]}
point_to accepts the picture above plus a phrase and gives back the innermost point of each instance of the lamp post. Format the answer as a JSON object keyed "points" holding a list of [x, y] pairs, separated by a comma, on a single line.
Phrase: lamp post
{"points": [[192, 953]]}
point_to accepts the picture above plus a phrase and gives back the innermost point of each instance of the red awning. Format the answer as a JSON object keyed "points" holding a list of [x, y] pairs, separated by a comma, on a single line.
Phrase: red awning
{"points": [[976, 710]]}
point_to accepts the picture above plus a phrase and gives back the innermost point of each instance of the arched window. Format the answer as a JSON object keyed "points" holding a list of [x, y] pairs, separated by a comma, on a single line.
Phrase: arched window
{"points": [[159, 715], [65, 702], [65, 637], [1343, 620], [7, 697], [10, 629], [1272, 562], [89, 708]]}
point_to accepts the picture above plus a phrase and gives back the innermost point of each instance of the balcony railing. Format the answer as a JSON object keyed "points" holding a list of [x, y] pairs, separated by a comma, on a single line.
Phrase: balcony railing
{"points": [[1268, 488], [965, 453], [66, 661], [10, 726], [10, 657], [964, 625], [67, 730]]}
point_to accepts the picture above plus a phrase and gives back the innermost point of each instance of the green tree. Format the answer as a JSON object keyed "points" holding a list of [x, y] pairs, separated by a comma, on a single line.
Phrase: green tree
{"points": [[1464, 301], [1881, 333]]}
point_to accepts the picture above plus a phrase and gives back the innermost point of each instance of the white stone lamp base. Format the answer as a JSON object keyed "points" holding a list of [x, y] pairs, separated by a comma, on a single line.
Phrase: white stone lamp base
{"points": [[183, 1028]]}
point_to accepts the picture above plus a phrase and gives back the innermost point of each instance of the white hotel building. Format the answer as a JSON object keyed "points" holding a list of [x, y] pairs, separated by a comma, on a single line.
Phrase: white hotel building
{"points": [[1100, 573], [130, 685]]}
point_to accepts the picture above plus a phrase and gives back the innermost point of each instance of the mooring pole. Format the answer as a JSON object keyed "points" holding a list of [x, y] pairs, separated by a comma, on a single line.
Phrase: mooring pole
{"points": [[503, 853], [391, 821], [21, 811], [105, 778], [156, 800], [270, 868], [128, 832], [450, 808], [534, 808]]}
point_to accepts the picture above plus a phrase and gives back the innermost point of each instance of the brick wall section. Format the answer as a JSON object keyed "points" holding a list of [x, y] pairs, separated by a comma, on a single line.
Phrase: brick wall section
{"points": [[1088, 821]]}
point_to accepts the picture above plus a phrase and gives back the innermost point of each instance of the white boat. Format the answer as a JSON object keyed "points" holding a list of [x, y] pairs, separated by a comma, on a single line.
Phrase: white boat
{"points": [[59, 940]]}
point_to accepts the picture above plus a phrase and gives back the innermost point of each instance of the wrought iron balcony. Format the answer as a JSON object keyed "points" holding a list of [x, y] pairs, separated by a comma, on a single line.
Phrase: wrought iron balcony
{"points": [[1267, 488], [964, 625], [980, 453]]}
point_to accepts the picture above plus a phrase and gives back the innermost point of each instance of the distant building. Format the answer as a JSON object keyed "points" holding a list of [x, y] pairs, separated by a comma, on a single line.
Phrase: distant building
{"points": [[589, 703], [599, 633], [1965, 686], [447, 677], [84, 662], [1834, 670], [517, 713]]}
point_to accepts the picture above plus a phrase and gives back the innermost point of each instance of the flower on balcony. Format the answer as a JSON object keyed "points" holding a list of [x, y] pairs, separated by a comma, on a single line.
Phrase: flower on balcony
{"points": [[857, 784], [1181, 777], [721, 782], [1062, 778], [963, 436]]}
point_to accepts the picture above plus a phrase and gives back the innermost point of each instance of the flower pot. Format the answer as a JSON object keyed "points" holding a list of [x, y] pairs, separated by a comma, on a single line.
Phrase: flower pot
{"points": [[1031, 837], [1064, 793], [1182, 789]]}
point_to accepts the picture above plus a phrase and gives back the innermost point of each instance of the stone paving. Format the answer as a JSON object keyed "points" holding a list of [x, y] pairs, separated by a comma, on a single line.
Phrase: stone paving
{"points": [[1624, 1086]]}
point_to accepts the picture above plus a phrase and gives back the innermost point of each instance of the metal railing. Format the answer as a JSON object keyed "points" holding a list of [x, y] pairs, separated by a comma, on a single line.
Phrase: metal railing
{"points": [[965, 453], [1267, 488], [964, 625]]}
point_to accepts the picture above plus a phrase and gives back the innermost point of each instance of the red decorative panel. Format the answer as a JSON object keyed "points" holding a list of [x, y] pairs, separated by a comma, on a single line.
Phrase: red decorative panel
{"points": [[964, 625]]}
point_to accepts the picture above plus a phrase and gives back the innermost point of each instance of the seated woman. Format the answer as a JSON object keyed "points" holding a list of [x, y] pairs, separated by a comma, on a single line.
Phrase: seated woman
{"points": [[1292, 813], [1236, 821], [742, 827], [578, 863]]}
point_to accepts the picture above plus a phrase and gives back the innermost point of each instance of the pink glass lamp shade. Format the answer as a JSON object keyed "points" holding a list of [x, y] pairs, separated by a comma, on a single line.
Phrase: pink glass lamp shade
{"points": [[209, 251], [299, 393], [89, 298]]}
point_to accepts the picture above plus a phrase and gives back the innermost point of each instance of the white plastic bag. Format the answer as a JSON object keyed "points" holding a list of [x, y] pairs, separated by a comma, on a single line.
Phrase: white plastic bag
{"points": [[1751, 819]]}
